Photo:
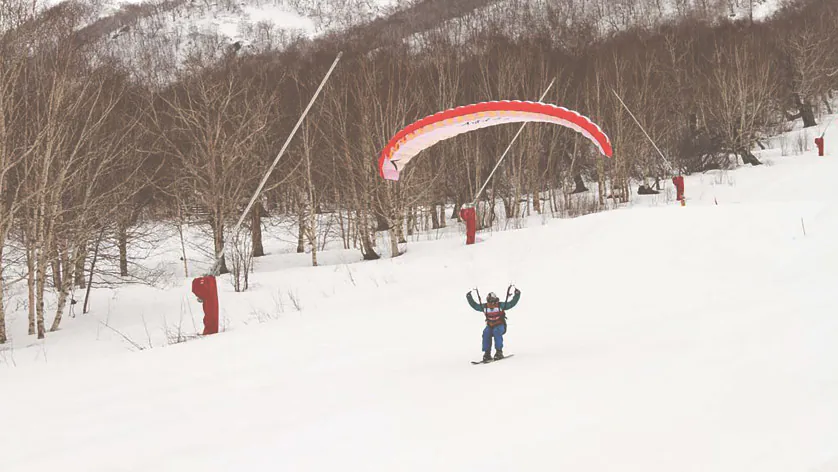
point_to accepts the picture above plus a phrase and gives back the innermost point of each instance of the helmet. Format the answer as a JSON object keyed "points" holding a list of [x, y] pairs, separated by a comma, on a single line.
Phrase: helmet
{"points": [[492, 298]]}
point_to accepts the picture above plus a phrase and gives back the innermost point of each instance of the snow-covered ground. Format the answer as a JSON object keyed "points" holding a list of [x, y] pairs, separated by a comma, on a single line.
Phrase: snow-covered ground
{"points": [[650, 338]]}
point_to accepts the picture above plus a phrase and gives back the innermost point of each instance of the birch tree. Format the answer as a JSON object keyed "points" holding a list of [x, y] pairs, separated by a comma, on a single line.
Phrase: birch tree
{"points": [[12, 62], [210, 126]]}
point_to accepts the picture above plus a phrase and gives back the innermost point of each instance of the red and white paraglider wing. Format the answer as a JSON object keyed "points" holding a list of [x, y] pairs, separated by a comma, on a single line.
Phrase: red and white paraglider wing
{"points": [[428, 131]]}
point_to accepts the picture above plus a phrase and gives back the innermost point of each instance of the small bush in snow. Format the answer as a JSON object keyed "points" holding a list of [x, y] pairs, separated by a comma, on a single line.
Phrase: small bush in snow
{"points": [[802, 142], [242, 260]]}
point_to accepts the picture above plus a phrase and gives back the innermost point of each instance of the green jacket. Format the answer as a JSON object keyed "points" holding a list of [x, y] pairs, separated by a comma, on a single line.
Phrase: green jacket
{"points": [[502, 305]]}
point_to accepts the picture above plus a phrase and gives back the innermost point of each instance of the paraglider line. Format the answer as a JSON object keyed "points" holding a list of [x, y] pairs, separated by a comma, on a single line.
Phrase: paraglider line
{"points": [[220, 256], [477, 195]]}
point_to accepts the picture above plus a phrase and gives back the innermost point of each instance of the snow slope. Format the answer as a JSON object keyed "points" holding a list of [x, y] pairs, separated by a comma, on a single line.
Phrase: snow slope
{"points": [[651, 338]]}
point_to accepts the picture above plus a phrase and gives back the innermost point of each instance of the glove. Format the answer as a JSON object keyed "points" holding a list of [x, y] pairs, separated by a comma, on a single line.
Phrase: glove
{"points": [[517, 292]]}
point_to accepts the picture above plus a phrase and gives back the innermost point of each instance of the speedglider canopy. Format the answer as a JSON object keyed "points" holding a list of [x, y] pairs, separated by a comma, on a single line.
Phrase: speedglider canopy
{"points": [[422, 134]]}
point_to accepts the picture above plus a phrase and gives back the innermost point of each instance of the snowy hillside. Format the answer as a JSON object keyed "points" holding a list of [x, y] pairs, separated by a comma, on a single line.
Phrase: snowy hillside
{"points": [[571, 17], [313, 17], [160, 36], [650, 338]]}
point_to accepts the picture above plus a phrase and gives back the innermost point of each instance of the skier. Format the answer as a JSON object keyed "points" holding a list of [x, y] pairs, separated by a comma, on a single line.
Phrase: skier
{"points": [[495, 313]]}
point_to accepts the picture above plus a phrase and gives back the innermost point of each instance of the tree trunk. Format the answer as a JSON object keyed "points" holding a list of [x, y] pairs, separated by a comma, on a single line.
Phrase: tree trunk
{"points": [[256, 230], [749, 158], [56, 271], [480, 215], [808, 115], [435, 217], [555, 202], [312, 230], [182, 242], [342, 221], [580, 184], [2, 316], [455, 214], [43, 244], [30, 282], [301, 240], [78, 272], [381, 223], [86, 305], [345, 228], [40, 283], [122, 238], [510, 206], [367, 247], [343, 224], [412, 222], [218, 242], [63, 291], [394, 243], [2, 289], [313, 243], [398, 226], [42, 250]]}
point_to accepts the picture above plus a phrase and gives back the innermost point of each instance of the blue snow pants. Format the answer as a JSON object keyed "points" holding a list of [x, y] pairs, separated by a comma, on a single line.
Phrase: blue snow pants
{"points": [[497, 333]]}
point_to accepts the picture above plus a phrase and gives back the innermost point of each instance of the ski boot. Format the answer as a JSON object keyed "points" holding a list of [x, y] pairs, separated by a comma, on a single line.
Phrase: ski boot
{"points": [[499, 354], [487, 356]]}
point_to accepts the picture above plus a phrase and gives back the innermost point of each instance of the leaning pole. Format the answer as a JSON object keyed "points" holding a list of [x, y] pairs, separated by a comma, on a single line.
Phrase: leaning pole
{"points": [[205, 288]]}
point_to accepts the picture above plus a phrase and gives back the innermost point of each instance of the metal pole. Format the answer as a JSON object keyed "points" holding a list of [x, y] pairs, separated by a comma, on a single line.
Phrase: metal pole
{"points": [[477, 195], [827, 126], [218, 260]]}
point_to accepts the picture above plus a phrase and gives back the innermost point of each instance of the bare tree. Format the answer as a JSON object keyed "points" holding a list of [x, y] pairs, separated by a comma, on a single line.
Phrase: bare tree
{"points": [[738, 96], [12, 62], [210, 125], [807, 60], [353, 171], [242, 260]]}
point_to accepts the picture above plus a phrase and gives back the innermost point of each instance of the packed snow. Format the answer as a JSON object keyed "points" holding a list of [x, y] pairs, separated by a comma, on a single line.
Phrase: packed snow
{"points": [[655, 337]]}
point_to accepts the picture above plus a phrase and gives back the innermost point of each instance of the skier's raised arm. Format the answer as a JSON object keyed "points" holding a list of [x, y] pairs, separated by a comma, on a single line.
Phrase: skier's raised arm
{"points": [[511, 304], [474, 304]]}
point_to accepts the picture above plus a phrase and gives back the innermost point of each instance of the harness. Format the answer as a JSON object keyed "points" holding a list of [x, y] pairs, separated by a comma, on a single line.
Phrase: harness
{"points": [[495, 316]]}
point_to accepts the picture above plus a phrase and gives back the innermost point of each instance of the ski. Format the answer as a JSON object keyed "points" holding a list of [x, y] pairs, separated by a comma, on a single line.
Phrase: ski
{"points": [[492, 360]]}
